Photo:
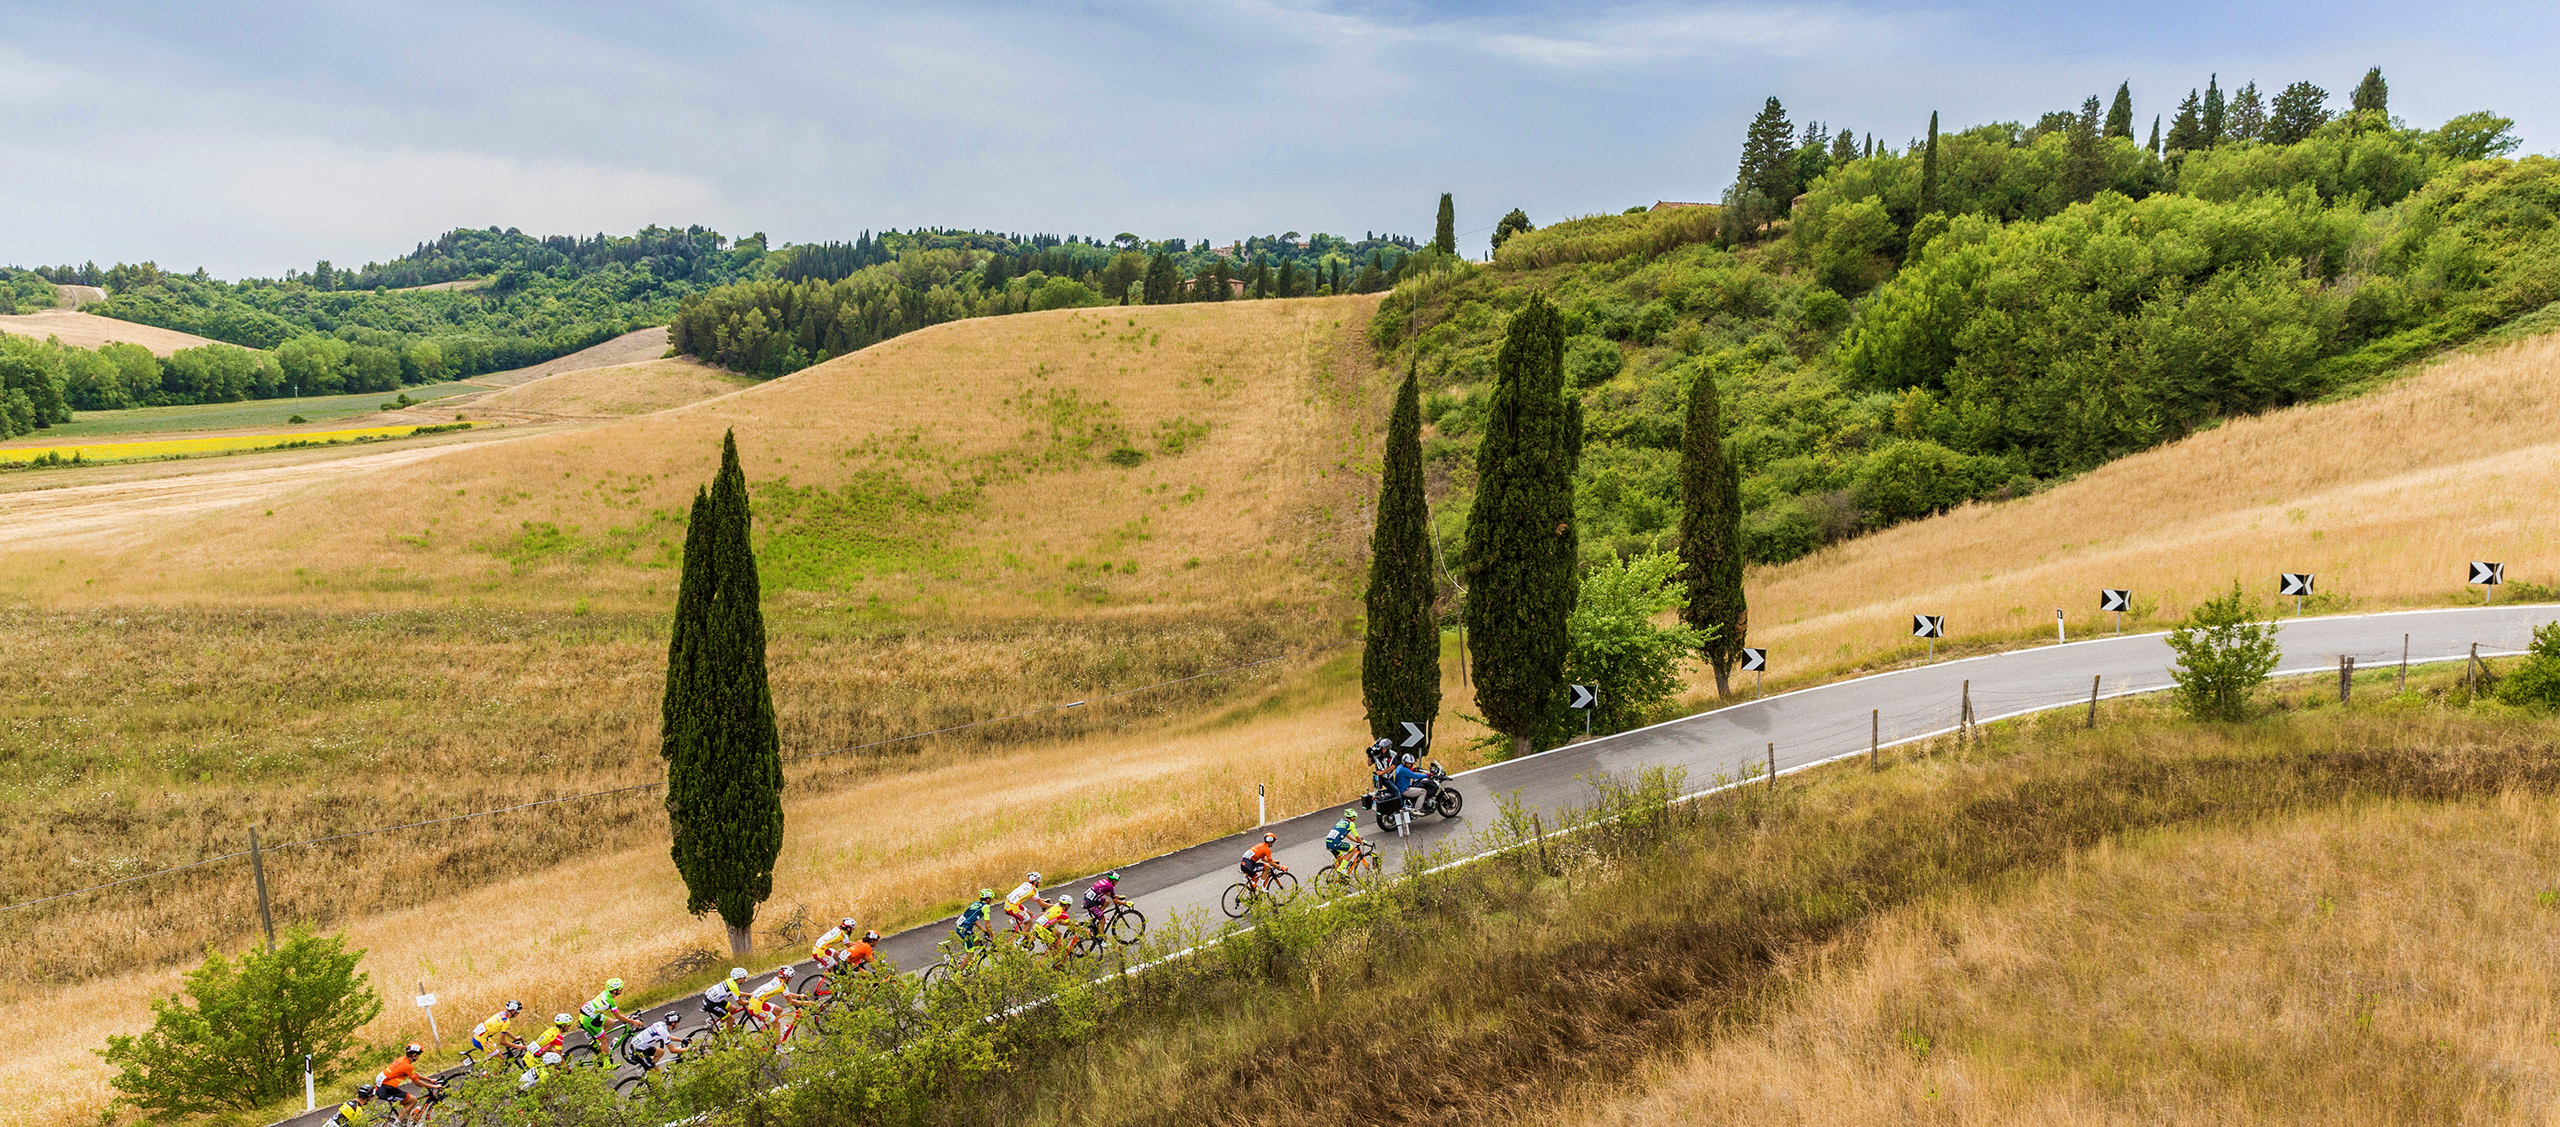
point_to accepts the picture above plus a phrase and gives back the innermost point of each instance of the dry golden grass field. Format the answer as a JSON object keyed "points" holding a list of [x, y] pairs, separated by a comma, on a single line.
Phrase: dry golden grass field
{"points": [[88, 330], [619, 391], [2372, 964], [2385, 497], [961, 523]]}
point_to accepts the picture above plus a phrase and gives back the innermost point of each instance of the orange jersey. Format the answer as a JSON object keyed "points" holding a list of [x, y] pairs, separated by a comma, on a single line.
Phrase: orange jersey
{"points": [[400, 1071], [1261, 851], [858, 955]]}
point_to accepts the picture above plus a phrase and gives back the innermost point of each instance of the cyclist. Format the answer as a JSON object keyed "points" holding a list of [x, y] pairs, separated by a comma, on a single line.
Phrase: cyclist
{"points": [[725, 996], [973, 927], [1052, 928], [1017, 903], [352, 1111], [555, 1041], [1344, 836], [859, 956], [827, 951], [403, 1069], [493, 1036], [650, 1047], [766, 1002], [535, 1071], [603, 1010], [1258, 862], [1099, 899]]}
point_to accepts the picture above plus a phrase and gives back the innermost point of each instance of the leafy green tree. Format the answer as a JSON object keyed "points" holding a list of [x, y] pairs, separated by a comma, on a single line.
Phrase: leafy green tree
{"points": [[2224, 654], [1929, 169], [2477, 136], [1711, 534], [1400, 657], [2248, 115], [2186, 129], [717, 731], [1514, 223], [1844, 147], [2211, 122], [2298, 112], [1521, 544], [2372, 94], [2535, 682], [1615, 646], [1444, 230], [1767, 176], [2120, 113], [2087, 170], [1163, 284], [237, 1039], [30, 388]]}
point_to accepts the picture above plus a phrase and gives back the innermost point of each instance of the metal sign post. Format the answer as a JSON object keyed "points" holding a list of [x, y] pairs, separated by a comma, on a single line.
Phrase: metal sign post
{"points": [[2488, 575], [1932, 627], [1756, 663], [1585, 699], [427, 1002], [2116, 599], [2296, 584]]}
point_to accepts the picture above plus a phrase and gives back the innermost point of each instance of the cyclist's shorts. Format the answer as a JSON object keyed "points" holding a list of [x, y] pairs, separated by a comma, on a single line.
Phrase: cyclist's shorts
{"points": [[1337, 848], [592, 1023], [715, 1009], [477, 1047]]}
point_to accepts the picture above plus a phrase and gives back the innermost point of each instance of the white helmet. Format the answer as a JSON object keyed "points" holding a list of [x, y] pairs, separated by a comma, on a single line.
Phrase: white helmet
{"points": [[737, 972], [846, 922], [785, 973]]}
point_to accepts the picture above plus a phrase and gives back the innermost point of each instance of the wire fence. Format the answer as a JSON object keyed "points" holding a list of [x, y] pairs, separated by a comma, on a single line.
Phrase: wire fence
{"points": [[521, 806]]}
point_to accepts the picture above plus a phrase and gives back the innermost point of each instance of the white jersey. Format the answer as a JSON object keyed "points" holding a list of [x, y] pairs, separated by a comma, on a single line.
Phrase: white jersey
{"points": [[721, 993], [1027, 891], [835, 937], [655, 1036]]}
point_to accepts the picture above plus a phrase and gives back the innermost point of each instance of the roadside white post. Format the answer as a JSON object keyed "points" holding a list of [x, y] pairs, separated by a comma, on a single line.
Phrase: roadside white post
{"points": [[427, 1002], [308, 1095], [1261, 805], [2059, 634]]}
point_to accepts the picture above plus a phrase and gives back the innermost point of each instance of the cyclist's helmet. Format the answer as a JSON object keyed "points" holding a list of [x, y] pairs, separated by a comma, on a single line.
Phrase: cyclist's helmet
{"points": [[847, 923], [561, 1019], [737, 972], [613, 986], [364, 1092], [416, 1048], [1032, 876], [514, 1007], [550, 1058], [986, 894], [785, 973], [672, 1018], [1354, 815], [871, 937], [1271, 837], [1113, 876]]}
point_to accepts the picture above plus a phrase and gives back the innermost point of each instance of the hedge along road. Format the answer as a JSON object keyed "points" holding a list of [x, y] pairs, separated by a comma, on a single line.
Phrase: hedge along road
{"points": [[1807, 726]]}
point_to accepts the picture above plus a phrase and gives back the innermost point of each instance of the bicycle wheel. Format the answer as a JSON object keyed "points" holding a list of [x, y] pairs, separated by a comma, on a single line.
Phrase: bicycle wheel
{"points": [[817, 986], [1236, 901], [1331, 881], [634, 1087], [581, 1055], [1128, 926], [1284, 887], [697, 1035], [936, 976]]}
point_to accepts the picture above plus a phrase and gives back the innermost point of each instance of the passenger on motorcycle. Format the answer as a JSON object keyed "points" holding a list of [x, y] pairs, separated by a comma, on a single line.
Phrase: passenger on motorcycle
{"points": [[1258, 862]]}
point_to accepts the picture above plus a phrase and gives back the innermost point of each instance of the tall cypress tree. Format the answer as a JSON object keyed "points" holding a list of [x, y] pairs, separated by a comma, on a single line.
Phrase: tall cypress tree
{"points": [[1711, 532], [1400, 659], [2212, 120], [1521, 542], [1929, 170], [2155, 135], [2120, 113], [1444, 230], [2372, 93], [1288, 285], [716, 727], [2247, 117], [2088, 166]]}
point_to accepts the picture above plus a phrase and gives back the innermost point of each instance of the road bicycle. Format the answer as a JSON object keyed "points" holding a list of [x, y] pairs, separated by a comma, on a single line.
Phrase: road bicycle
{"points": [[1348, 871], [952, 964], [1278, 886], [1122, 923]]}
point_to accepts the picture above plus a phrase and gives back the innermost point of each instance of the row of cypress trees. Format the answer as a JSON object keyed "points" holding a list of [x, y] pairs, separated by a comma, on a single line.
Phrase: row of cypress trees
{"points": [[1522, 546]]}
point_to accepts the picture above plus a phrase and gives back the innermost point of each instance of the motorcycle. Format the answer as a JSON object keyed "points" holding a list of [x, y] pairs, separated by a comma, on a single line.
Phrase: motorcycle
{"points": [[1389, 805]]}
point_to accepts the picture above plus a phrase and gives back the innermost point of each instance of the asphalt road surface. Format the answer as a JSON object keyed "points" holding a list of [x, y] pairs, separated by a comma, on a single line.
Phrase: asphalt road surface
{"points": [[1806, 727]]}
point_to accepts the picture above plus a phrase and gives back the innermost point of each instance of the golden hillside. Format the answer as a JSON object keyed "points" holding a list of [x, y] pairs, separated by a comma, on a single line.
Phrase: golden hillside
{"points": [[88, 330]]}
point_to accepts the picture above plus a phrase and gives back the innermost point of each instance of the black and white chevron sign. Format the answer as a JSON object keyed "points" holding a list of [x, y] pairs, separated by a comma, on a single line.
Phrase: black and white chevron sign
{"points": [[2490, 574], [1928, 626], [1584, 696], [2295, 583], [1753, 661], [2114, 599]]}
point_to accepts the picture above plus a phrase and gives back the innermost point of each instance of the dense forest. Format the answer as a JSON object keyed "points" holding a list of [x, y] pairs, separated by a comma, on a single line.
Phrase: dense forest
{"points": [[1977, 313]]}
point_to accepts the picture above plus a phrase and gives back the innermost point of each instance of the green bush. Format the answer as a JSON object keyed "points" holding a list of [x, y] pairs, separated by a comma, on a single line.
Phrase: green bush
{"points": [[1616, 646], [2537, 681], [241, 1043], [2224, 653]]}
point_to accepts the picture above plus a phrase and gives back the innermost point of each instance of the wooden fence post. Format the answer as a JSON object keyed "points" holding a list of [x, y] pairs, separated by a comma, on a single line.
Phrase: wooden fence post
{"points": [[2093, 702]]}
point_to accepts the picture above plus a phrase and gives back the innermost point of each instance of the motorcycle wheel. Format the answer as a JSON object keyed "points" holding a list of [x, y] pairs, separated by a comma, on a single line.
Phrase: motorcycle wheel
{"points": [[1449, 802]]}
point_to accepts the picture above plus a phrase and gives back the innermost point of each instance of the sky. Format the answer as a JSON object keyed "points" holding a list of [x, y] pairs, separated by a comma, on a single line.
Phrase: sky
{"points": [[252, 137]]}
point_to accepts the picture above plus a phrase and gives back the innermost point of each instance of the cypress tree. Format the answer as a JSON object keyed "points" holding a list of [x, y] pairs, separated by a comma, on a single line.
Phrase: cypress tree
{"points": [[1288, 277], [1521, 543], [2212, 121], [716, 728], [1400, 659], [2186, 131], [1844, 147], [2155, 135], [2372, 93], [2120, 113], [1766, 179], [1444, 231], [2088, 168], [1711, 532], [2247, 117], [1929, 169]]}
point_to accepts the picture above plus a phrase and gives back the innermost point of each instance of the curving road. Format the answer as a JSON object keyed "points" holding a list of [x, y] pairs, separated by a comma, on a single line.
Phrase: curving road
{"points": [[1807, 727]]}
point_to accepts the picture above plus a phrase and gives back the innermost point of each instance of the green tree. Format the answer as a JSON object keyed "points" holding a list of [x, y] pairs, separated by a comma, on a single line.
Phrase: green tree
{"points": [[1615, 646], [1929, 169], [2086, 172], [2299, 111], [1521, 544], [2211, 121], [717, 730], [1444, 230], [2477, 136], [241, 1041], [2186, 130], [2120, 113], [1767, 175], [1400, 658], [1711, 534], [1844, 147], [2248, 115], [2536, 680], [1515, 223], [1163, 284], [2155, 135], [2224, 654], [2372, 94], [30, 388], [1288, 285]]}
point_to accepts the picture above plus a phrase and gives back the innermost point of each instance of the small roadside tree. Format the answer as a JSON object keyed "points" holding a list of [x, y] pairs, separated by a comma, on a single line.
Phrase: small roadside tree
{"points": [[2537, 680], [1615, 645], [241, 1042], [2224, 653]]}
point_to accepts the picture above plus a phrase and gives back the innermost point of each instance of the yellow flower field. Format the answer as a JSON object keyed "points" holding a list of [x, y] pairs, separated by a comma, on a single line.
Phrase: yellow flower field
{"points": [[182, 447]]}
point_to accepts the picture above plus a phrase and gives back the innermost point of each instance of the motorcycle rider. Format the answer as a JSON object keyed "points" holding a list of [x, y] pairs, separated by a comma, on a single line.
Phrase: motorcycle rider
{"points": [[1408, 778]]}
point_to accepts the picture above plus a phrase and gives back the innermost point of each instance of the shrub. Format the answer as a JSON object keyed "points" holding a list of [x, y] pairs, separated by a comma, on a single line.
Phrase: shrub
{"points": [[242, 1042], [2224, 653], [2537, 680], [1616, 646]]}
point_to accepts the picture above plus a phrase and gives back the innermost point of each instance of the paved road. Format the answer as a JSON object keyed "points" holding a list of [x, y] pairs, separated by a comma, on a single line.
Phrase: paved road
{"points": [[1808, 726]]}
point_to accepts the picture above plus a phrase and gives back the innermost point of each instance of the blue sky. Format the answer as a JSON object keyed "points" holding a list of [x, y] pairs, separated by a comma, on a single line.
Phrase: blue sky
{"points": [[253, 137]]}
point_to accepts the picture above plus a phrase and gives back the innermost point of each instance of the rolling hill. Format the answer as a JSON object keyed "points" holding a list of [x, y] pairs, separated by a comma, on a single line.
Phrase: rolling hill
{"points": [[88, 330]]}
